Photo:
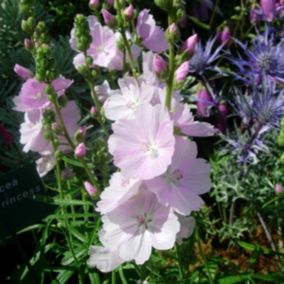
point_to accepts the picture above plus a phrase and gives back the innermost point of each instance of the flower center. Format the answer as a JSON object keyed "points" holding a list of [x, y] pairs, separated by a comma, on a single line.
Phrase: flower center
{"points": [[152, 149], [144, 221], [172, 177], [266, 61]]}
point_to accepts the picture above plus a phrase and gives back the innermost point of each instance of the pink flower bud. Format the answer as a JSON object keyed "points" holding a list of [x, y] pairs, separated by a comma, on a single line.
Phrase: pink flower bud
{"points": [[223, 113], [80, 150], [108, 17], [204, 103], [27, 43], [93, 111], [269, 9], [129, 12], [225, 35], [110, 2], [190, 43], [182, 72], [93, 4], [278, 188], [23, 72], [173, 32], [90, 188], [55, 126], [159, 64]]}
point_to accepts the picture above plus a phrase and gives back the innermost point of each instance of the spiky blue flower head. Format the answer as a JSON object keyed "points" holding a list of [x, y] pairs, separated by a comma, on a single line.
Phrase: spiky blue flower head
{"points": [[204, 57], [264, 60], [263, 108]]}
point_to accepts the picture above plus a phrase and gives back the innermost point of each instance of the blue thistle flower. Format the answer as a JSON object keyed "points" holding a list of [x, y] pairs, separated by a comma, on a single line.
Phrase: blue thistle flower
{"points": [[265, 59], [203, 58]]}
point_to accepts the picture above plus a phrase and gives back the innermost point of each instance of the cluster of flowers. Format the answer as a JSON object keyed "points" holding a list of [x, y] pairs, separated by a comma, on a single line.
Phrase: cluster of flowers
{"points": [[34, 103], [160, 179]]}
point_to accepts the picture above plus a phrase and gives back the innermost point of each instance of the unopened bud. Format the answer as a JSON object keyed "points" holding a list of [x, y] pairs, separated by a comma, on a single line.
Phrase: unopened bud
{"points": [[129, 12], [204, 103], [225, 35], [173, 33], [109, 19], [93, 4], [93, 111], [159, 64], [181, 72], [80, 151], [279, 188], [269, 9], [27, 43], [190, 43], [80, 134], [90, 188]]}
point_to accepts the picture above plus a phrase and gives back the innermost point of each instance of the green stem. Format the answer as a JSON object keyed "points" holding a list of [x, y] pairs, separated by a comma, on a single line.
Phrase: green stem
{"points": [[124, 38], [113, 277], [170, 81], [121, 275], [204, 261], [213, 13], [181, 273]]}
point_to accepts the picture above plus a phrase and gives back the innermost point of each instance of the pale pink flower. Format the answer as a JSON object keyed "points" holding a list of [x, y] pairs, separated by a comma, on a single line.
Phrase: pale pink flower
{"points": [[23, 72], [143, 147], [119, 190], [187, 177], [133, 94], [33, 96], [187, 224], [137, 225], [103, 259], [45, 164], [184, 120], [153, 37], [103, 91], [32, 134]]}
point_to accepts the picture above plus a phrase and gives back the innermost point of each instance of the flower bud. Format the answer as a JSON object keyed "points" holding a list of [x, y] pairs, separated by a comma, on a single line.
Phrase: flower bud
{"points": [[93, 4], [173, 33], [279, 188], [110, 2], [159, 64], [28, 43], [269, 9], [93, 111], [225, 35], [23, 72], [204, 103], [181, 72], [80, 150], [90, 188], [55, 127], [223, 113], [80, 134], [109, 19], [190, 43], [129, 12]]}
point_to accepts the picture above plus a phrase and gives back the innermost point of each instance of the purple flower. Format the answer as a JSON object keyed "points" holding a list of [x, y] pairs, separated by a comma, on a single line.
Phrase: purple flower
{"points": [[203, 57], [153, 37], [269, 9], [265, 59]]}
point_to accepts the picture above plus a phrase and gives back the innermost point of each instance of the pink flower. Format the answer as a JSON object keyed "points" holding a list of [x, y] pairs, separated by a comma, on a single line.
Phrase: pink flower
{"points": [[279, 188], [159, 64], [183, 119], [181, 72], [103, 48], [32, 134], [133, 94], [153, 36], [94, 4], [190, 43], [119, 190], [269, 9], [80, 150], [137, 225], [103, 259], [33, 96], [104, 91], [90, 188], [186, 178], [23, 72], [143, 147]]}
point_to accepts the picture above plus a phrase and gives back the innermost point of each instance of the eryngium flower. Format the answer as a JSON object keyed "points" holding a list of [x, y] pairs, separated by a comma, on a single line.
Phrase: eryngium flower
{"points": [[265, 59], [204, 57]]}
